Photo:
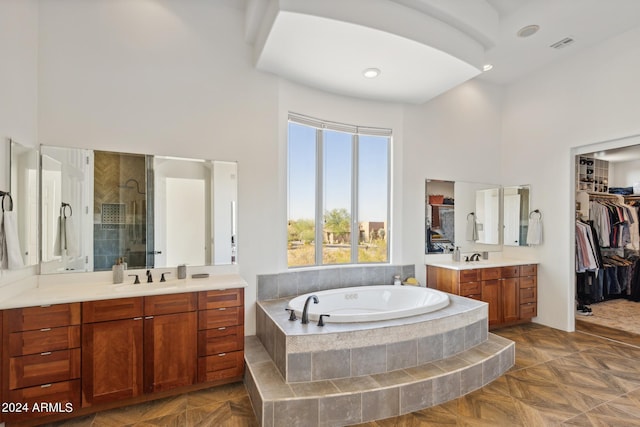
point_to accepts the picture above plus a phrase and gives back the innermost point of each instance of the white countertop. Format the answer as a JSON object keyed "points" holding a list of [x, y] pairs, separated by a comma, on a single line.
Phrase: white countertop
{"points": [[462, 265], [65, 293]]}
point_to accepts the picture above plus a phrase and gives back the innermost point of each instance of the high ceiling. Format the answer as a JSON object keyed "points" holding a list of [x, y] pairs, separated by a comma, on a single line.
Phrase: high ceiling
{"points": [[422, 47]]}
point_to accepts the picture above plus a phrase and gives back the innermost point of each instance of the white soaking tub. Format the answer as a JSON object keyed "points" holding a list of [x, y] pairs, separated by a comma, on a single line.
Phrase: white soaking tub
{"points": [[370, 303]]}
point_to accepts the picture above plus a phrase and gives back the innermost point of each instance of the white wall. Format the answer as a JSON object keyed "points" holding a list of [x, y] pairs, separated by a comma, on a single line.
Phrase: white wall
{"points": [[624, 174], [169, 78], [18, 88], [591, 97], [176, 78], [455, 137]]}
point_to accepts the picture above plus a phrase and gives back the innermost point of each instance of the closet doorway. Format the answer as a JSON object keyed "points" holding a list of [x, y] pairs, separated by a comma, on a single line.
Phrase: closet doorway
{"points": [[607, 186]]}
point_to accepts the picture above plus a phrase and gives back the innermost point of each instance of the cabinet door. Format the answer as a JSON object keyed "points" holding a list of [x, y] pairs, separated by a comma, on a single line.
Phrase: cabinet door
{"points": [[111, 361], [491, 295], [510, 299], [170, 351]]}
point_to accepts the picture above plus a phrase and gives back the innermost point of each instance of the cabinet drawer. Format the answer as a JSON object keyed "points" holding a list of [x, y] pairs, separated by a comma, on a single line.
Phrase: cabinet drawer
{"points": [[63, 396], [527, 311], [528, 295], [50, 316], [220, 340], [221, 366], [46, 339], [469, 275], [510, 271], [528, 270], [490, 273], [169, 304], [528, 282], [48, 367], [470, 288], [209, 319], [111, 309], [208, 300]]}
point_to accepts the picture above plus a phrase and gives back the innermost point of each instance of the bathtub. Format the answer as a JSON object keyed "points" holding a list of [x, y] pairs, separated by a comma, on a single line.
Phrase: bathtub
{"points": [[371, 303]]}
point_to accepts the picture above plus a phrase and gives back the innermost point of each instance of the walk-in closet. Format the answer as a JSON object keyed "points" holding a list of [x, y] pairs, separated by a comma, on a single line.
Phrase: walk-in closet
{"points": [[607, 239]]}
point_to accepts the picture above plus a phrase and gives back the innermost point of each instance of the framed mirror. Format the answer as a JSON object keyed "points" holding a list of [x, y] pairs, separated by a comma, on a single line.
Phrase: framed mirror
{"points": [[100, 208], [24, 180], [516, 214]]}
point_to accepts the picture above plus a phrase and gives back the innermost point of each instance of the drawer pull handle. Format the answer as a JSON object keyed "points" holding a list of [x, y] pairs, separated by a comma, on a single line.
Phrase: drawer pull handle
{"points": [[222, 329], [222, 354], [46, 353], [137, 318], [45, 305], [45, 329], [149, 317], [45, 385], [222, 308]]}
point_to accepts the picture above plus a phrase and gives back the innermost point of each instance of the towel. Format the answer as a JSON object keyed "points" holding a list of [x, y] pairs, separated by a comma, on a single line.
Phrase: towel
{"points": [[534, 233], [472, 227], [10, 252], [65, 242]]}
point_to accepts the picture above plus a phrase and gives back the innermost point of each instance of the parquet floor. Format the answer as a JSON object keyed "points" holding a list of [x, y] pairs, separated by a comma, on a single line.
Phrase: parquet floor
{"points": [[559, 379]]}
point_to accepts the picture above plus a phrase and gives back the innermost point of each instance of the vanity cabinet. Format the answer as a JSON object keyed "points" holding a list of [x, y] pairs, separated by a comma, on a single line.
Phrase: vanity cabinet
{"points": [[102, 354], [510, 291], [112, 350], [41, 359], [170, 337], [136, 345], [220, 335]]}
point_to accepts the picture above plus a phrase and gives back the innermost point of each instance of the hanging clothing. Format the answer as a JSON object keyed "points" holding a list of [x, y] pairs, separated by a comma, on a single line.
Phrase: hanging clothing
{"points": [[586, 258]]}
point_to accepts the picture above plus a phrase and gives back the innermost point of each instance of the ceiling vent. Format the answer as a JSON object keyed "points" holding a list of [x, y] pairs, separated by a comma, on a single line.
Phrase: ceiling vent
{"points": [[563, 43]]}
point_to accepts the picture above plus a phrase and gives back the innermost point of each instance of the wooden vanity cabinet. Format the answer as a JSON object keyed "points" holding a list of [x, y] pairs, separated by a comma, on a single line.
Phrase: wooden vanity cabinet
{"points": [[41, 359], [170, 341], [112, 363], [221, 335], [511, 291], [102, 354]]}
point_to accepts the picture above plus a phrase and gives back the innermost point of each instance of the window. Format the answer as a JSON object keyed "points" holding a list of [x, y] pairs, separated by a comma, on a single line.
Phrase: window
{"points": [[338, 193]]}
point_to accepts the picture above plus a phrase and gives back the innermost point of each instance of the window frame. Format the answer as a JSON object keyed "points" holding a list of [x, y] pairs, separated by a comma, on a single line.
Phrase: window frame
{"points": [[355, 132]]}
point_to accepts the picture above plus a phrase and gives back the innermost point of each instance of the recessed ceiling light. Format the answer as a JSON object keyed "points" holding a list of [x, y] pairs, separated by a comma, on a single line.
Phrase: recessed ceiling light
{"points": [[371, 73], [528, 31], [487, 67]]}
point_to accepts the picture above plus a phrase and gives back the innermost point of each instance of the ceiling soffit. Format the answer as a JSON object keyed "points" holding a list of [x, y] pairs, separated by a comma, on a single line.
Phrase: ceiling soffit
{"points": [[421, 49]]}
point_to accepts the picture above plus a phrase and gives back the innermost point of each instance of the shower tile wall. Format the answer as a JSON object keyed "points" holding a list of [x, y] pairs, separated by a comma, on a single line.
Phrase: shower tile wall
{"points": [[112, 241]]}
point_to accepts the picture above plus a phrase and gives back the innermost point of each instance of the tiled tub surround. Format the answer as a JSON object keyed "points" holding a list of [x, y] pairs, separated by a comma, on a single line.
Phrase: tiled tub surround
{"points": [[294, 283], [341, 374], [339, 350]]}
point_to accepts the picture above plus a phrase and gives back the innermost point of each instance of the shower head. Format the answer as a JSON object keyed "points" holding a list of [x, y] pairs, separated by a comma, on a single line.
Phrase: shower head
{"points": [[128, 187]]}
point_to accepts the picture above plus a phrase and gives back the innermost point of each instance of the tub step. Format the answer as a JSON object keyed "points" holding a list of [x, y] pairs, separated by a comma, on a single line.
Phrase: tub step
{"points": [[353, 400]]}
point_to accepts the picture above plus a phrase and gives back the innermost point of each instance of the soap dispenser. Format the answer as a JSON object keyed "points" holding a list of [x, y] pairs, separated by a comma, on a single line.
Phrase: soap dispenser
{"points": [[456, 254], [118, 272]]}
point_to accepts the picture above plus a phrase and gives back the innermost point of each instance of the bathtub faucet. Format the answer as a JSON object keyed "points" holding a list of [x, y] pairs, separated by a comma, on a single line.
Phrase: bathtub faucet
{"points": [[305, 311]]}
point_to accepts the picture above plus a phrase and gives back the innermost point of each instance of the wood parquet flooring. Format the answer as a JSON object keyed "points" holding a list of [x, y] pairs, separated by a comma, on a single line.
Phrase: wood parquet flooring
{"points": [[559, 379]]}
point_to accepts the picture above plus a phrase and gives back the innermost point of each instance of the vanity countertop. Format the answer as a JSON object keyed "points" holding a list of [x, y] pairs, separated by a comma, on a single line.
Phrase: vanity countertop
{"points": [[65, 293], [462, 265]]}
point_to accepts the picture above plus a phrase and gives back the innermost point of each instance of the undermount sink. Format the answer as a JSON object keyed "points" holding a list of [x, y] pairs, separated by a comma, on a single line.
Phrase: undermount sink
{"points": [[143, 287]]}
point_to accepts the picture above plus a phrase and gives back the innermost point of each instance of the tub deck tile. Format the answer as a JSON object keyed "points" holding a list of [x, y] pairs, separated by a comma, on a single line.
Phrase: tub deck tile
{"points": [[370, 397]]}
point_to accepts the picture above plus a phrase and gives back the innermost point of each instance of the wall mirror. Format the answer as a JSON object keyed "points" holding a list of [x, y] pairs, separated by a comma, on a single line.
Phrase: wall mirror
{"points": [[24, 192], [516, 214], [100, 208], [464, 214]]}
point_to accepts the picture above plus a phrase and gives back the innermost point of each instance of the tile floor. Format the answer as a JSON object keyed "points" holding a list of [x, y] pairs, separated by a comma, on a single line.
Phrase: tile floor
{"points": [[559, 379]]}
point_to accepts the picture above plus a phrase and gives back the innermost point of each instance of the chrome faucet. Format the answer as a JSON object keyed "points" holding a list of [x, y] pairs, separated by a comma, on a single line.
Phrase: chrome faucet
{"points": [[305, 314]]}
